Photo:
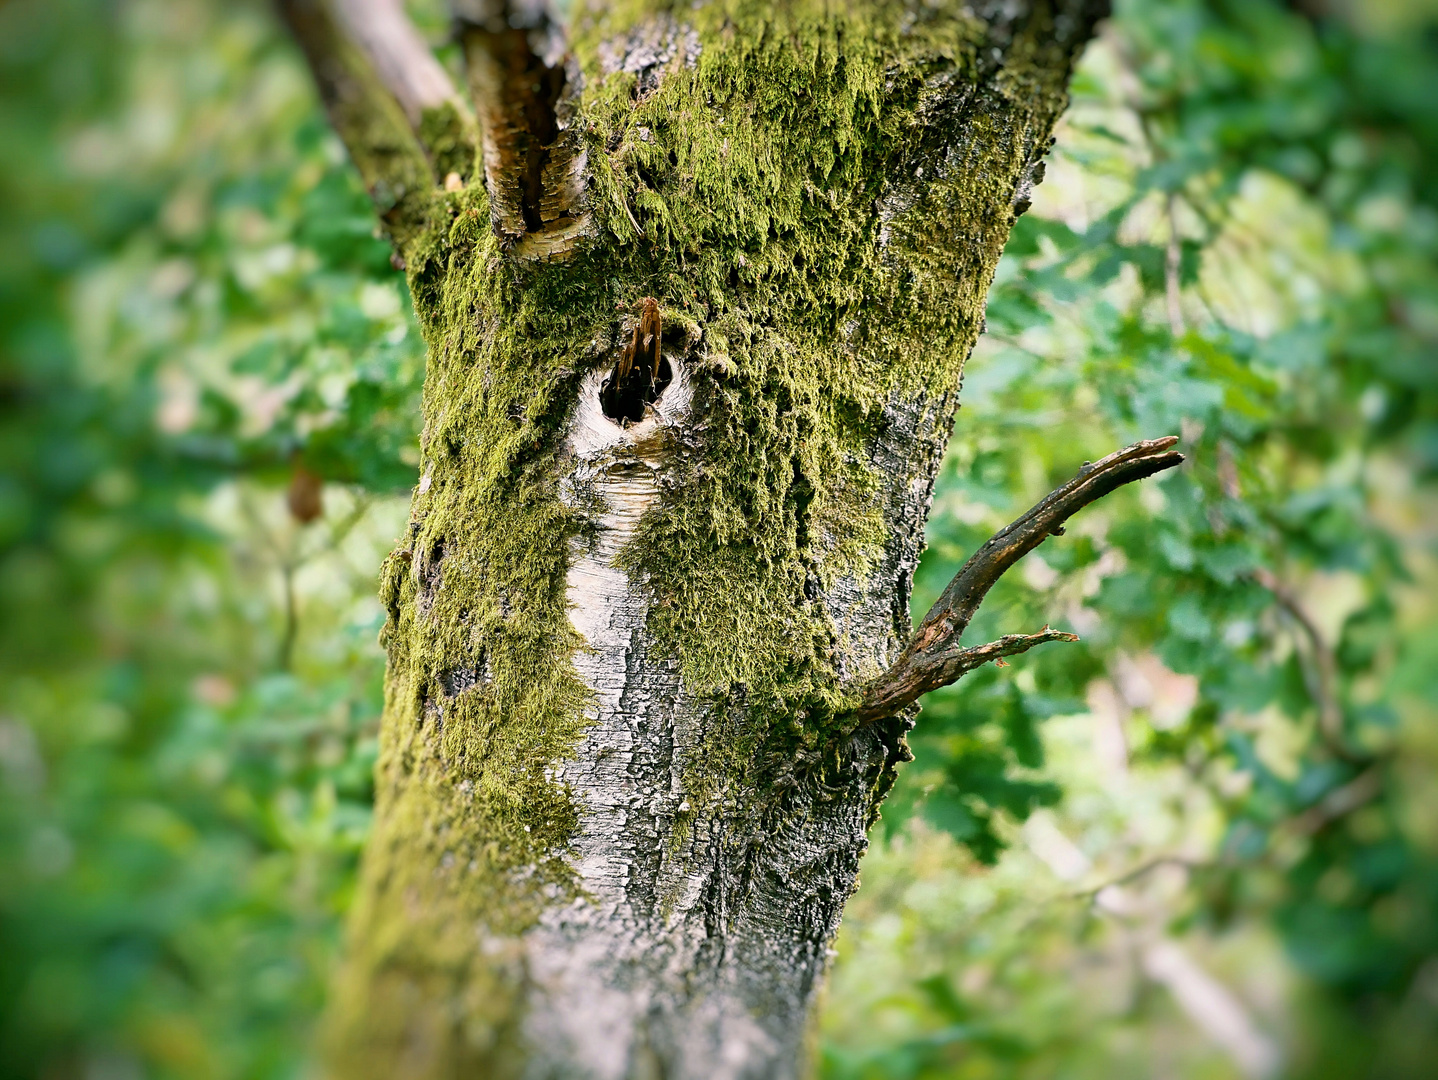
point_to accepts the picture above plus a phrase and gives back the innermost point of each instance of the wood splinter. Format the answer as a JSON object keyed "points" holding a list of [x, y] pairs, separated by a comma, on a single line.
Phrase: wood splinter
{"points": [[641, 374], [644, 344]]}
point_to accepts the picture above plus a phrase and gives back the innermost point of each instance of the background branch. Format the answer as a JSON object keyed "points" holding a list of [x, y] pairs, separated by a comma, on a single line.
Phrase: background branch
{"points": [[1321, 675], [1336, 805], [1172, 267], [933, 658]]}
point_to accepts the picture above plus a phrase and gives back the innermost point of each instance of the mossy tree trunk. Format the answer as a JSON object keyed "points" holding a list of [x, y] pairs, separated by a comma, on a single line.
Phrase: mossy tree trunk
{"points": [[698, 283]]}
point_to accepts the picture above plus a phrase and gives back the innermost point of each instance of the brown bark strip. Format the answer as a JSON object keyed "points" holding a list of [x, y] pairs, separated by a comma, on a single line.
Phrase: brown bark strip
{"points": [[526, 90], [933, 658]]}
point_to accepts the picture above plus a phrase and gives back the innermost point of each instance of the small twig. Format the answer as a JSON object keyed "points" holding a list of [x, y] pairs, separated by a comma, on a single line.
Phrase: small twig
{"points": [[336, 533], [1008, 645], [285, 655], [1143, 869], [1172, 265], [1321, 675], [933, 658], [1336, 805], [944, 666], [1361, 790], [633, 221], [297, 558]]}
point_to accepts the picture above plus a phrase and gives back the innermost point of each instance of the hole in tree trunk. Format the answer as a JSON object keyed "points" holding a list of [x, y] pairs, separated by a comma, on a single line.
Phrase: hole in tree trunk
{"points": [[624, 400]]}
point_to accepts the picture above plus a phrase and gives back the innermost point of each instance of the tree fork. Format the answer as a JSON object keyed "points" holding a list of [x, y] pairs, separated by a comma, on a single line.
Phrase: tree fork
{"points": [[621, 794]]}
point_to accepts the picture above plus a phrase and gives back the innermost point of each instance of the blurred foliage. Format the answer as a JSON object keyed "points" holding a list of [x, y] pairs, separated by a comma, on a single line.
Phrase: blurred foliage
{"points": [[1201, 842], [194, 308]]}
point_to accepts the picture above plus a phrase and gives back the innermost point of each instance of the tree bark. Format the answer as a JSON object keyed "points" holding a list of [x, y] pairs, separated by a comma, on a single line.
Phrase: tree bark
{"points": [[698, 287]]}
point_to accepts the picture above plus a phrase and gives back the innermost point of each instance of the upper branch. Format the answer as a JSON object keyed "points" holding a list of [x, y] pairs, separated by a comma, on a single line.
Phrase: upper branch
{"points": [[389, 99], [933, 658], [526, 91], [401, 58]]}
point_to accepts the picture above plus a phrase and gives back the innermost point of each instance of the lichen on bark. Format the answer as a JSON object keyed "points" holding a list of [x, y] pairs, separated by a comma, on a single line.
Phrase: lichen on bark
{"points": [[647, 831]]}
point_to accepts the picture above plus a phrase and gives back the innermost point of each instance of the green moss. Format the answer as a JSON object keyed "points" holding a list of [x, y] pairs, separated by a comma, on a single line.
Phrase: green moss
{"points": [[754, 179], [451, 140], [385, 151], [742, 193]]}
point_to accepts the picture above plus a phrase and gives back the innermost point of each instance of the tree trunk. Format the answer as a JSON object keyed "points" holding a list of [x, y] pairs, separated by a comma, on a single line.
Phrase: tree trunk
{"points": [[698, 298]]}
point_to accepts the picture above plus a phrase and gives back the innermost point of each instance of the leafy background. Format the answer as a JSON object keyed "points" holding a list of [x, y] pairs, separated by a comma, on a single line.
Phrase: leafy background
{"points": [[1203, 842]]}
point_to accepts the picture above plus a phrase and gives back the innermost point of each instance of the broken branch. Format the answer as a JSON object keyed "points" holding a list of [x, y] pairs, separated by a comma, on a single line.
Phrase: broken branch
{"points": [[933, 658]]}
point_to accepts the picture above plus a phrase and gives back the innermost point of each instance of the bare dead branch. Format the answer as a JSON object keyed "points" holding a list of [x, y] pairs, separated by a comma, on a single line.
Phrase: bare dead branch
{"points": [[933, 658], [525, 90], [388, 98]]}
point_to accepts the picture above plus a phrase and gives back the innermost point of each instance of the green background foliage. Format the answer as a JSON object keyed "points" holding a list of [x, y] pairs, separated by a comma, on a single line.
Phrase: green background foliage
{"points": [[1235, 242]]}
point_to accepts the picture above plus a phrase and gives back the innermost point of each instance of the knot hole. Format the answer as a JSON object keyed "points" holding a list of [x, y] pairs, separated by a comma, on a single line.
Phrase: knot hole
{"points": [[624, 397]]}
